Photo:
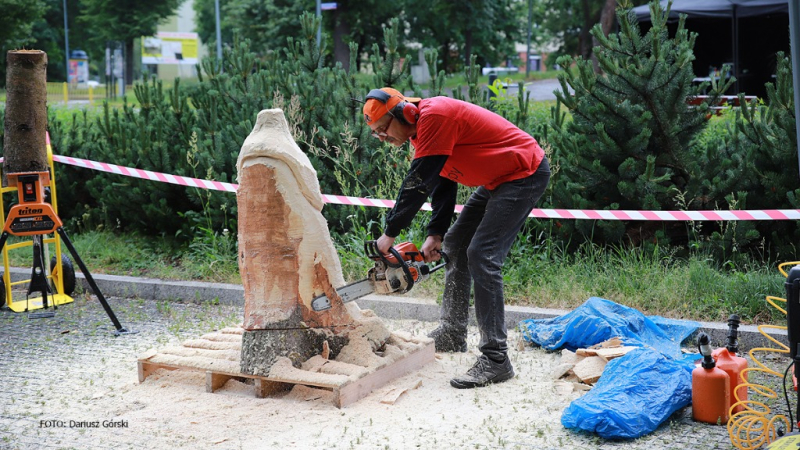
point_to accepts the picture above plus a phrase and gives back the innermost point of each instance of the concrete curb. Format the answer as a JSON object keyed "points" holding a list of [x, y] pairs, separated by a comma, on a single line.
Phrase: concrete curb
{"points": [[390, 307]]}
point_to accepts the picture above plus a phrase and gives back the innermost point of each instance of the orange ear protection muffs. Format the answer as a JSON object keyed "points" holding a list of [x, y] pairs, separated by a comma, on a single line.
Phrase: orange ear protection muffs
{"points": [[403, 110]]}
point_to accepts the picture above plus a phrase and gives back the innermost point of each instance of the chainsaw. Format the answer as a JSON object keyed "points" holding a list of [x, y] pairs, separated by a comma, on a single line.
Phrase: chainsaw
{"points": [[395, 273]]}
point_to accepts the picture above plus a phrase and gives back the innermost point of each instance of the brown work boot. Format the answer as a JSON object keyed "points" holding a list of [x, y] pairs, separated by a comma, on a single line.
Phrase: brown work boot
{"points": [[484, 372], [447, 342]]}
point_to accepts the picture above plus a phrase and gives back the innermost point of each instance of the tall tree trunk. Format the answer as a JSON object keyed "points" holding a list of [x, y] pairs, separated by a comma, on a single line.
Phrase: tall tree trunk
{"points": [[607, 19], [468, 46], [585, 38], [24, 143], [341, 31], [446, 56], [129, 62]]}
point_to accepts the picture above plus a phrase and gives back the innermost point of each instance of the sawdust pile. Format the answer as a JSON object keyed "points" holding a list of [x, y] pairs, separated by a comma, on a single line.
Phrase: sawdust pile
{"points": [[419, 410], [371, 347]]}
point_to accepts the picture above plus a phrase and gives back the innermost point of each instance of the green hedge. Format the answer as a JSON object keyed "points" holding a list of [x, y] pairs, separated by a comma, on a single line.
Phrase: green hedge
{"points": [[626, 139]]}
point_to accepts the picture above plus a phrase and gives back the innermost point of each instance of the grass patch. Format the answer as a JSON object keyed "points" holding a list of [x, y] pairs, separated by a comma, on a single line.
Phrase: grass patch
{"points": [[454, 80], [110, 253], [539, 275], [655, 283], [459, 79]]}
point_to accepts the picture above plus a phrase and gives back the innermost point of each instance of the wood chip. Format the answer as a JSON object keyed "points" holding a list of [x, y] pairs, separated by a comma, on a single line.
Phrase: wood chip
{"points": [[568, 357], [326, 350], [571, 377], [581, 387], [563, 387], [590, 369], [610, 353], [613, 342], [561, 370], [520, 344], [391, 397]]}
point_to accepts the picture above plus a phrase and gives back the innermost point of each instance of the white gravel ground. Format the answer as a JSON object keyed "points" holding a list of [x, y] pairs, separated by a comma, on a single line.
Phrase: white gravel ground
{"points": [[67, 374]]}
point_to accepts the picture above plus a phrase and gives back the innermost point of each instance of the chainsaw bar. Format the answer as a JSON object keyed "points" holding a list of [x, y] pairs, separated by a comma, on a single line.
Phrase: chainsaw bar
{"points": [[348, 293]]}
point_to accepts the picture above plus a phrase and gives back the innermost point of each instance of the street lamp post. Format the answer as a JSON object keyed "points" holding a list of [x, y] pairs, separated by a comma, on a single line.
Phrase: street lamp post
{"points": [[219, 34], [528, 51], [794, 35], [66, 40], [319, 16]]}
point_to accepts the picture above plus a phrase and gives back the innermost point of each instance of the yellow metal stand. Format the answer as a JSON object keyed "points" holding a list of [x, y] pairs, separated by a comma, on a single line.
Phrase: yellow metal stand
{"points": [[56, 274]]}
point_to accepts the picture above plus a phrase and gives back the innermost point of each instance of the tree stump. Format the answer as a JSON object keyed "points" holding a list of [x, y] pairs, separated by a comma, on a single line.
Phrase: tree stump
{"points": [[286, 256], [24, 143]]}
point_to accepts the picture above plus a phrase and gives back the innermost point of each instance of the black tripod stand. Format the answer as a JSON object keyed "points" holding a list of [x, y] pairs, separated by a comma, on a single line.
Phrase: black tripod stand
{"points": [[33, 216]]}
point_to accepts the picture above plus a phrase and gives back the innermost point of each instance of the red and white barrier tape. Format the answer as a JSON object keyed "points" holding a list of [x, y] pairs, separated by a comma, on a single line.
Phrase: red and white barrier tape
{"points": [[146, 174], [679, 216]]}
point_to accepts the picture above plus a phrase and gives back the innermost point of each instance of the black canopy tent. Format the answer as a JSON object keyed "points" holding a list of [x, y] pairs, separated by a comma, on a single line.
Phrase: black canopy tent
{"points": [[718, 8], [744, 33]]}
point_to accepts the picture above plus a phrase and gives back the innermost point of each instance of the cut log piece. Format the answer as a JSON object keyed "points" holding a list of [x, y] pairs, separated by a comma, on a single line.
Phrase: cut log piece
{"points": [[610, 353], [25, 123], [590, 369], [287, 259]]}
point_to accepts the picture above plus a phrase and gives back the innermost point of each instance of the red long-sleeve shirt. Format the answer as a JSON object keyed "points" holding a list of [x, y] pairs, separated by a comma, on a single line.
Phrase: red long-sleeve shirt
{"points": [[458, 142]]}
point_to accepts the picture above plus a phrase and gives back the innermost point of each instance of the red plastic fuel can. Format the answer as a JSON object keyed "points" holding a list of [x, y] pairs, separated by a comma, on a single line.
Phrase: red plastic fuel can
{"points": [[732, 364], [711, 389]]}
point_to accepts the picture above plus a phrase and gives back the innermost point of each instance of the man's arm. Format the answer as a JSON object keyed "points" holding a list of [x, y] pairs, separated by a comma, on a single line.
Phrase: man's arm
{"points": [[443, 203], [422, 178]]}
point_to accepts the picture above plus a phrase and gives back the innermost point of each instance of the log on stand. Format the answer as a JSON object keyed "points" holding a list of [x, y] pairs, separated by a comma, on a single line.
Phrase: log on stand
{"points": [[24, 144], [25, 123]]}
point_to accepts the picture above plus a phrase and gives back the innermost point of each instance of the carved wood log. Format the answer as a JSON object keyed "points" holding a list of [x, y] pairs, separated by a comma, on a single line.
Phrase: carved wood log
{"points": [[24, 142], [286, 256]]}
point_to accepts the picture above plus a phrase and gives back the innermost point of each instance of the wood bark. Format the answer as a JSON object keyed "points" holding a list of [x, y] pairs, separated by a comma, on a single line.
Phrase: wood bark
{"points": [[584, 37], [262, 348], [607, 19], [24, 143]]}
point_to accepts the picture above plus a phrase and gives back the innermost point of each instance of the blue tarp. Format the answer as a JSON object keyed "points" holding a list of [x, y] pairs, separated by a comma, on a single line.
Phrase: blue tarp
{"points": [[638, 391]]}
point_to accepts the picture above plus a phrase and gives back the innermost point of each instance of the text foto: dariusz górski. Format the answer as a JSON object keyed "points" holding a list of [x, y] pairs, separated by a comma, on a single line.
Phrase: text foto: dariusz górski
{"points": [[83, 424]]}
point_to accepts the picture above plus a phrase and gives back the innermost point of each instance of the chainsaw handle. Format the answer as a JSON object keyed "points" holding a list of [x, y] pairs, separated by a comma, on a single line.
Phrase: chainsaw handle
{"points": [[404, 266], [403, 252], [372, 252], [439, 266]]}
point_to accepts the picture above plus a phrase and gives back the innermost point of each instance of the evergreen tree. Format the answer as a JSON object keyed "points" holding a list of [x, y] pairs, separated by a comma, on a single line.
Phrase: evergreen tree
{"points": [[764, 144], [19, 18], [203, 141], [768, 135], [628, 144]]}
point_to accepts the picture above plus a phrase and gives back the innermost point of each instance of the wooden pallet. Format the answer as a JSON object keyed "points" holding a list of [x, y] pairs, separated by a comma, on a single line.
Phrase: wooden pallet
{"points": [[217, 354]]}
